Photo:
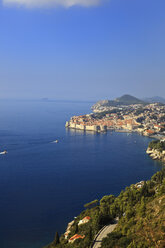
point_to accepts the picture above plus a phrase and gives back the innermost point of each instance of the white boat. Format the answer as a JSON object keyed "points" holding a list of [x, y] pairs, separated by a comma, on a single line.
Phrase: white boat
{"points": [[55, 141], [4, 152]]}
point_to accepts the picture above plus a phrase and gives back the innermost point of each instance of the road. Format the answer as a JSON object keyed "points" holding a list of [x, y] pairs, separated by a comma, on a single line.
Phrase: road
{"points": [[105, 231]]}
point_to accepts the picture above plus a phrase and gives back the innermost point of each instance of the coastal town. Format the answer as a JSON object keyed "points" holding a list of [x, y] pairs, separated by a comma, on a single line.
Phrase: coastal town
{"points": [[95, 225], [146, 119]]}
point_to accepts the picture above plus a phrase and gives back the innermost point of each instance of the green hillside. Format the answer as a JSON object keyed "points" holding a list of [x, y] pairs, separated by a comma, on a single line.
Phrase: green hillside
{"points": [[128, 100], [143, 223], [141, 212], [157, 145]]}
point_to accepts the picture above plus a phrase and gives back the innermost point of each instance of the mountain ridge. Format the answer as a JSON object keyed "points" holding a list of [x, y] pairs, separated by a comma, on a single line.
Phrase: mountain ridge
{"points": [[123, 100], [154, 99]]}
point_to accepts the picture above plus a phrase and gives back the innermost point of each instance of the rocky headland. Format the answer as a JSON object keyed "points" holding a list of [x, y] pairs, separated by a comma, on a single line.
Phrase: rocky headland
{"points": [[156, 150]]}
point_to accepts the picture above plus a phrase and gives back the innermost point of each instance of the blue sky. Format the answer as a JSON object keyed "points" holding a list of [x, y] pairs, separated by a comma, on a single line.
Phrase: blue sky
{"points": [[79, 49]]}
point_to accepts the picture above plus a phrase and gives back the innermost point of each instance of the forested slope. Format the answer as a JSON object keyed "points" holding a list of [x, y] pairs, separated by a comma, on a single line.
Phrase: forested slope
{"points": [[141, 212]]}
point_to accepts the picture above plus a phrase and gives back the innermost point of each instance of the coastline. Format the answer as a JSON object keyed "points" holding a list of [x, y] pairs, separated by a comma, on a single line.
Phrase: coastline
{"points": [[138, 184], [67, 236], [110, 129], [148, 120], [156, 150]]}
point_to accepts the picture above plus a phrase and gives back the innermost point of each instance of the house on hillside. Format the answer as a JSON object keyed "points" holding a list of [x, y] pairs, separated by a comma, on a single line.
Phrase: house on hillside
{"points": [[148, 132], [75, 237], [84, 220]]}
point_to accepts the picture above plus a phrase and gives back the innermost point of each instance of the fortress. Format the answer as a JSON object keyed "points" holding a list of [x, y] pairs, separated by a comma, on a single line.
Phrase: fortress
{"points": [[84, 127]]}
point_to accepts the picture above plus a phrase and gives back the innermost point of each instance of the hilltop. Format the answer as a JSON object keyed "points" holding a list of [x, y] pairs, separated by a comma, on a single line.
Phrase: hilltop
{"points": [[124, 100], [128, 100]]}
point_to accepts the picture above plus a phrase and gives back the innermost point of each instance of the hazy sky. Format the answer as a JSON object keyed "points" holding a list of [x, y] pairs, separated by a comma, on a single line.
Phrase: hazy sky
{"points": [[82, 49]]}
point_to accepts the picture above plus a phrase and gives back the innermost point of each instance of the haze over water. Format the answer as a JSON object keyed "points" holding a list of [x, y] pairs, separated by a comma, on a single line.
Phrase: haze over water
{"points": [[43, 185]]}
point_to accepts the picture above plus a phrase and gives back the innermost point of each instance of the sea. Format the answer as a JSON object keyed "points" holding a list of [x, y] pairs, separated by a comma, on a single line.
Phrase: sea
{"points": [[44, 185]]}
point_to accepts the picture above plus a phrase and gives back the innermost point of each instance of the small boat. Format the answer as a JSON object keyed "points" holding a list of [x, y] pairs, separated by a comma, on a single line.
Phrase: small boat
{"points": [[55, 141], [4, 152]]}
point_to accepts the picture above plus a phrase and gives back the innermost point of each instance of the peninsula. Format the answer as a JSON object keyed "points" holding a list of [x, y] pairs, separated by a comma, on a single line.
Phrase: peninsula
{"points": [[126, 113], [135, 218]]}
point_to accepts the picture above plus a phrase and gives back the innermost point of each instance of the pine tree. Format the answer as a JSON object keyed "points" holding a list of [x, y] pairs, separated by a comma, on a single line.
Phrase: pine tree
{"points": [[56, 239], [76, 228]]}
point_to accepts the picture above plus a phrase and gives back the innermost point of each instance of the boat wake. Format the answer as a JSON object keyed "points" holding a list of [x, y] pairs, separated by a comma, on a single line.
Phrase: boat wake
{"points": [[3, 153]]}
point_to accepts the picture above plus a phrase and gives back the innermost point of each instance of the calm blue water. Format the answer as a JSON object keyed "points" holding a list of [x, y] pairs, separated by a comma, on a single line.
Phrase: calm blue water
{"points": [[44, 185]]}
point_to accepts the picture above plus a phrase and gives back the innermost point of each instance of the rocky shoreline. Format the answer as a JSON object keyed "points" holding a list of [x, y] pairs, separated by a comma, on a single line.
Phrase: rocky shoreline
{"points": [[156, 154], [156, 149]]}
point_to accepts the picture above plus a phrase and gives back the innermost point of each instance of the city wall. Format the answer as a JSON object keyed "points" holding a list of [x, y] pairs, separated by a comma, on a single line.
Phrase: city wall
{"points": [[94, 128]]}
